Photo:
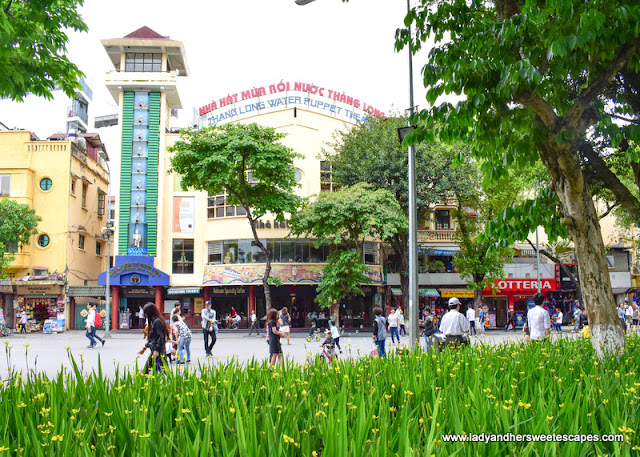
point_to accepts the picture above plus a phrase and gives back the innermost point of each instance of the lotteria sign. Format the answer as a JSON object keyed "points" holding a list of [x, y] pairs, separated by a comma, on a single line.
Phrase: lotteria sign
{"points": [[283, 95], [528, 286]]}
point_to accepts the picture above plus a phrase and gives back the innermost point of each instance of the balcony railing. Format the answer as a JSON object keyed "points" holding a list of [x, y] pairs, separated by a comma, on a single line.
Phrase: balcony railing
{"points": [[436, 235]]}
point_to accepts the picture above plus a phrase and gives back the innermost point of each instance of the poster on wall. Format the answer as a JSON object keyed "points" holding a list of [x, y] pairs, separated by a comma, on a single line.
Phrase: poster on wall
{"points": [[184, 215]]}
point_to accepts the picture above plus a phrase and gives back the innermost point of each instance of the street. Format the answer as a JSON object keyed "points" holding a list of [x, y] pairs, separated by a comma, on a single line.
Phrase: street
{"points": [[48, 353]]}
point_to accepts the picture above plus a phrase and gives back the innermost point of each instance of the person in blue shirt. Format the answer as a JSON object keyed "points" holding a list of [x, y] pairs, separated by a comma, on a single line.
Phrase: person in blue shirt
{"points": [[482, 316]]}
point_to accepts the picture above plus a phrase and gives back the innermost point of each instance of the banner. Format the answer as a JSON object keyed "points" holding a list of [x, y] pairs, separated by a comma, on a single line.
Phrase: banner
{"points": [[184, 214]]}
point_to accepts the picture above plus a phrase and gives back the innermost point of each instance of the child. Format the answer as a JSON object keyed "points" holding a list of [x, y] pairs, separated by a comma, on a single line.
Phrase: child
{"points": [[314, 326], [335, 334], [586, 333], [328, 346], [559, 317]]}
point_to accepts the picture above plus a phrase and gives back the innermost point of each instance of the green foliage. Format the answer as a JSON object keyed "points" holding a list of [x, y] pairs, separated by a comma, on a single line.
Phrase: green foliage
{"points": [[341, 278], [483, 253], [245, 161], [530, 74], [369, 407], [18, 223], [372, 153], [33, 43], [346, 218], [350, 215]]}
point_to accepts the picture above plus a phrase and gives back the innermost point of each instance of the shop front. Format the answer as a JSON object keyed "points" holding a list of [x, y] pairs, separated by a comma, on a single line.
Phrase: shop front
{"points": [[190, 300], [43, 302], [79, 297], [240, 287], [134, 282], [514, 296], [7, 316]]}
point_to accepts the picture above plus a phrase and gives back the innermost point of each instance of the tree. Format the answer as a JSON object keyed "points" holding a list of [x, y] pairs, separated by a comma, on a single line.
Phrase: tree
{"points": [[18, 223], [33, 43], [345, 219], [246, 162], [480, 262], [371, 153], [534, 76]]}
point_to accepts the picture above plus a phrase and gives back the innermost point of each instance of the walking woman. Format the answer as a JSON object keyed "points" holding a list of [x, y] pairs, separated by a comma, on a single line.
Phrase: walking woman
{"points": [[285, 328], [158, 334], [275, 348]]}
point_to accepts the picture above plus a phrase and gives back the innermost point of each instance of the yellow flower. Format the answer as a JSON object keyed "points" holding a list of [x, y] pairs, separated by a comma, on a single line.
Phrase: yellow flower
{"points": [[375, 430], [186, 411], [506, 407], [108, 414], [110, 447], [232, 410], [204, 419], [146, 435], [57, 438], [549, 418], [2, 448], [561, 405], [178, 419], [314, 454], [21, 405]]}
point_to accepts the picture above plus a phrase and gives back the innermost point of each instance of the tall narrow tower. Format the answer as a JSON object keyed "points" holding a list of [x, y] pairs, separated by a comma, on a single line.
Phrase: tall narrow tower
{"points": [[144, 84]]}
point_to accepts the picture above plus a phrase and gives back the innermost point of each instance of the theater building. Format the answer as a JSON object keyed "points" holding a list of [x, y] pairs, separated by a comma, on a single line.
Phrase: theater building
{"points": [[177, 246]]}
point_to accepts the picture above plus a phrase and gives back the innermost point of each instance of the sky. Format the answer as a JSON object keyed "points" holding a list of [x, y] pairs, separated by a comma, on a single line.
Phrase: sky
{"points": [[235, 45]]}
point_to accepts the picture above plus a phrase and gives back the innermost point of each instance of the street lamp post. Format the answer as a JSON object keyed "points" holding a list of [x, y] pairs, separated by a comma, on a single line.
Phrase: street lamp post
{"points": [[107, 235], [413, 226]]}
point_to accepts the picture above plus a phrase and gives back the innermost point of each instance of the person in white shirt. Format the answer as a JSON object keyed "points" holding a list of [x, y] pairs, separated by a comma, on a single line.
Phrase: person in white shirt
{"points": [[254, 324], [559, 317], [401, 323], [90, 320], [471, 317], [454, 325], [538, 319], [392, 319]]}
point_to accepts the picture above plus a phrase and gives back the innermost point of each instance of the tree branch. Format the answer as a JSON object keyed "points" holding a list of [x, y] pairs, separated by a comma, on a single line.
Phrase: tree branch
{"points": [[541, 108], [626, 119], [557, 261], [622, 56], [621, 193], [608, 211]]}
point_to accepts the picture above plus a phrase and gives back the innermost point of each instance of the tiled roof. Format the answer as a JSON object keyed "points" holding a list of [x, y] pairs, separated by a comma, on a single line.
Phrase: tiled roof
{"points": [[145, 33]]}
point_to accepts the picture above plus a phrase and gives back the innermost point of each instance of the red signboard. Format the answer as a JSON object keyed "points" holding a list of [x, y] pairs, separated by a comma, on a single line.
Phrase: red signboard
{"points": [[528, 286]]}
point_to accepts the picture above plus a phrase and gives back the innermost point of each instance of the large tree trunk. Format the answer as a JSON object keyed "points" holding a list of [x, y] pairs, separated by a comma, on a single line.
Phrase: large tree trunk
{"points": [[267, 256], [581, 220]]}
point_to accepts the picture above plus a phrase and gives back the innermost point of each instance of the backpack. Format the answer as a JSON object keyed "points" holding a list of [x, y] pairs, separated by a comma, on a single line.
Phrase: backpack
{"points": [[429, 328], [98, 320]]}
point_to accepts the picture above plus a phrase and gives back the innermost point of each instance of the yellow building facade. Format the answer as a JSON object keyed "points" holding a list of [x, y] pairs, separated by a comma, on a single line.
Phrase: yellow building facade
{"points": [[67, 185]]}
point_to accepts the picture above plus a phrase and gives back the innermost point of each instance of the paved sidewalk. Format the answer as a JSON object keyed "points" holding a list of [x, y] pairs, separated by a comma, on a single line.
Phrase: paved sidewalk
{"points": [[48, 353]]}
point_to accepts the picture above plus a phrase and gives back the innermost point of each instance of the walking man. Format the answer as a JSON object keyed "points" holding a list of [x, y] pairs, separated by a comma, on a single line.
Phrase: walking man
{"points": [[208, 328], [471, 317], [577, 314], [96, 324], [538, 319], [379, 330], [254, 324], [454, 325], [90, 320], [429, 327], [482, 316]]}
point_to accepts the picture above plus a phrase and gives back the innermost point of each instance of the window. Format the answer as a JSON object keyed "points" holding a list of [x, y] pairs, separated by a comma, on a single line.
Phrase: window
{"points": [[326, 178], [214, 252], [282, 251], [112, 214], [81, 241], [43, 241], [218, 207], [138, 61], [73, 186], [182, 256], [443, 220], [371, 253], [46, 184], [102, 203], [98, 248], [5, 185], [12, 247], [85, 187], [40, 271]]}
